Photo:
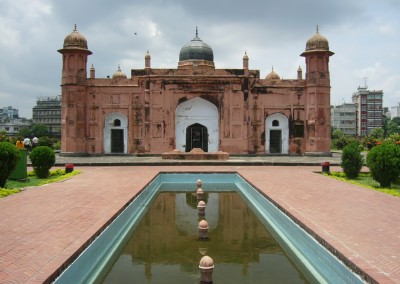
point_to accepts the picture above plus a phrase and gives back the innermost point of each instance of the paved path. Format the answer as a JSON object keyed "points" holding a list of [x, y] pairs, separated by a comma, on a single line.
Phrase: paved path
{"points": [[43, 227]]}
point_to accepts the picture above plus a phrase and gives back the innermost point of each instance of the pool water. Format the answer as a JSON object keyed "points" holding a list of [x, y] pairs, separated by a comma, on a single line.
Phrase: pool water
{"points": [[164, 247]]}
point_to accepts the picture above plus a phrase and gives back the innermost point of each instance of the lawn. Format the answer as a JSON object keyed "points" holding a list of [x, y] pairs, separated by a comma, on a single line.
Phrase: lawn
{"points": [[365, 180], [14, 186]]}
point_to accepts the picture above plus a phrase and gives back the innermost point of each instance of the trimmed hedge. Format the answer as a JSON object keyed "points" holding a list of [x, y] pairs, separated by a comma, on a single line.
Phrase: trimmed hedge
{"points": [[352, 160], [384, 163], [42, 158], [9, 157]]}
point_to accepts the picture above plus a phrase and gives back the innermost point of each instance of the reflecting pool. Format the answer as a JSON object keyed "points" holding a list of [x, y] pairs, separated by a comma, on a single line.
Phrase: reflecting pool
{"points": [[164, 247]]}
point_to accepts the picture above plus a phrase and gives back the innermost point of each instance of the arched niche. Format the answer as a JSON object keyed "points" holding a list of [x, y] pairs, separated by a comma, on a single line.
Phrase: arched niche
{"points": [[277, 134], [116, 133], [197, 111]]}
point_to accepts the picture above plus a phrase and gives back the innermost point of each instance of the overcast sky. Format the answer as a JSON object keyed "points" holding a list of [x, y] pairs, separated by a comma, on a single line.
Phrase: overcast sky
{"points": [[364, 35]]}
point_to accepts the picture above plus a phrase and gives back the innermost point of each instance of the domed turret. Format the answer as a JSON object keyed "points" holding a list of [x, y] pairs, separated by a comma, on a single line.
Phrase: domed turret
{"points": [[119, 74], [317, 43], [75, 41], [196, 53], [272, 75]]}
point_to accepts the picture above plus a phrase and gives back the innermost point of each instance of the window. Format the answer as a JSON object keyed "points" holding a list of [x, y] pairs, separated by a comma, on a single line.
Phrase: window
{"points": [[117, 122], [275, 123]]}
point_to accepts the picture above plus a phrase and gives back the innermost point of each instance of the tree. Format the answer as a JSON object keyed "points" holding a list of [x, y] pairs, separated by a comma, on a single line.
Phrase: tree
{"points": [[377, 133], [392, 128], [384, 163], [39, 130], [24, 132], [9, 157]]}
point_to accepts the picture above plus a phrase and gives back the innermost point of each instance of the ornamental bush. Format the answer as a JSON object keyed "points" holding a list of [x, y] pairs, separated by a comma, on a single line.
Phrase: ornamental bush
{"points": [[9, 157], [352, 160], [384, 163], [42, 158]]}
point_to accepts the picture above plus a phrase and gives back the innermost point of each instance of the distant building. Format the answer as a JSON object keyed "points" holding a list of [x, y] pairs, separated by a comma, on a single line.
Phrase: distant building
{"points": [[13, 126], [344, 117], [48, 112], [8, 113], [395, 111], [369, 110]]}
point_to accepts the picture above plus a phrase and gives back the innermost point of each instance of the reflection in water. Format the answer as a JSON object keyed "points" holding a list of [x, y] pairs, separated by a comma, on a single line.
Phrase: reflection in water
{"points": [[164, 248]]}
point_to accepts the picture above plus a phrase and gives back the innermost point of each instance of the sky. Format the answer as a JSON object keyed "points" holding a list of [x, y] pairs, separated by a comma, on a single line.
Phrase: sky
{"points": [[364, 35]]}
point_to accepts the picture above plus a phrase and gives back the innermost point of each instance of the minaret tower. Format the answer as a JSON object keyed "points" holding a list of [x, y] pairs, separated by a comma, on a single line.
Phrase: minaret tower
{"points": [[318, 90], [75, 53]]}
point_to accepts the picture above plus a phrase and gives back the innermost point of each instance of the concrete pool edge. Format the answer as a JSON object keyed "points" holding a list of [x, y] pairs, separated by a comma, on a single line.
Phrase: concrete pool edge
{"points": [[213, 177]]}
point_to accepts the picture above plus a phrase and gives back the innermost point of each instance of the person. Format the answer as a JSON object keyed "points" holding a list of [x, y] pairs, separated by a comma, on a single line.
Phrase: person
{"points": [[35, 142], [27, 144], [19, 143]]}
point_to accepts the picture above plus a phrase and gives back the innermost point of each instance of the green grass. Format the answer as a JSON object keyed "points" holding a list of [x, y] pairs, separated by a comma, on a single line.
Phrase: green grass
{"points": [[14, 186], [365, 180]]}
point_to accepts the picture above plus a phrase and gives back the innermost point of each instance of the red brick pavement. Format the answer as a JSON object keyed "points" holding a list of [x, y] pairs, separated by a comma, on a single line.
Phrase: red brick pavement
{"points": [[43, 227]]}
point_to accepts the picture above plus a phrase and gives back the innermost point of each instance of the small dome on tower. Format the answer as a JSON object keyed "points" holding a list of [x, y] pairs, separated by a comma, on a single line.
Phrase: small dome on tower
{"points": [[119, 74], [245, 56], [206, 262], [272, 75], [317, 43], [75, 41]]}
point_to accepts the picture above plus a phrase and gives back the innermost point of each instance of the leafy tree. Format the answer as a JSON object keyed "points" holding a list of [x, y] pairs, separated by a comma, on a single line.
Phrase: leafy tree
{"points": [[377, 133], [337, 133], [396, 120], [392, 128], [24, 132], [384, 163], [352, 160], [9, 157], [39, 130]]}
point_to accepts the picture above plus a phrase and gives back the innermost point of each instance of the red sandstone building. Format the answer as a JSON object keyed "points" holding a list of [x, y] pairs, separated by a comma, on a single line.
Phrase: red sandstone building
{"points": [[195, 105]]}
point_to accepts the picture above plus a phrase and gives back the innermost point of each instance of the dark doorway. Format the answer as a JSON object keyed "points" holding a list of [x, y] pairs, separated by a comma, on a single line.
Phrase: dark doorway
{"points": [[117, 141], [196, 137], [275, 141]]}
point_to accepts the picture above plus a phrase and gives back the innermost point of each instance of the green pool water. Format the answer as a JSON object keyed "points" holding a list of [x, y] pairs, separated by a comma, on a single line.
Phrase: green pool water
{"points": [[164, 247]]}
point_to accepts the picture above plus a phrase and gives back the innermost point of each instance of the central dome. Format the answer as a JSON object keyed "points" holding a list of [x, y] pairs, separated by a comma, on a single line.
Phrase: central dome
{"points": [[196, 52]]}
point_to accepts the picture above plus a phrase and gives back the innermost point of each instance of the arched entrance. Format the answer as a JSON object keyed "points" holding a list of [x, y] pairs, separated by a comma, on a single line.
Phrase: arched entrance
{"points": [[115, 133], [277, 134], [194, 115], [196, 137]]}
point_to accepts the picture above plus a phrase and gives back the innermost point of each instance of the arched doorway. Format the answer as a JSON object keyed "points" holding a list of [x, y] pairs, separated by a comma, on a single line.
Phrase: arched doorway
{"points": [[115, 133], [277, 134], [196, 137], [201, 115]]}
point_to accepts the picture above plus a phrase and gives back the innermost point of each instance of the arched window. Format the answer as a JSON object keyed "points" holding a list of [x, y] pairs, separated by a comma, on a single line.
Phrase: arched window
{"points": [[275, 122], [117, 122]]}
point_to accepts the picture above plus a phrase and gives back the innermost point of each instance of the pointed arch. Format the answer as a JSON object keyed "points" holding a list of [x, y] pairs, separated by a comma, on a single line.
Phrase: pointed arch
{"points": [[115, 133], [277, 134], [200, 111]]}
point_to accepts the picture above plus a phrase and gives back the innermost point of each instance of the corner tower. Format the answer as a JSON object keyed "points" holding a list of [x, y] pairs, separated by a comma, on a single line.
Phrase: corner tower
{"points": [[75, 53], [318, 89]]}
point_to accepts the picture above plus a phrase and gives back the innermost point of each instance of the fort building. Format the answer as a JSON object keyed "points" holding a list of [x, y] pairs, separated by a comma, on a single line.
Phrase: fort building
{"points": [[195, 105]]}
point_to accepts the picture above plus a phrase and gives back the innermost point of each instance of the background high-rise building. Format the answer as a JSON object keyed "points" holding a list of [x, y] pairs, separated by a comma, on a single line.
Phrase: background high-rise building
{"points": [[344, 117], [48, 112], [369, 110]]}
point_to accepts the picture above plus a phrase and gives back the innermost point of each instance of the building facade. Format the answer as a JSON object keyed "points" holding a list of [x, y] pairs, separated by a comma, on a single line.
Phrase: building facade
{"points": [[8, 113], [48, 112], [395, 111], [344, 117], [369, 110], [12, 126], [194, 105]]}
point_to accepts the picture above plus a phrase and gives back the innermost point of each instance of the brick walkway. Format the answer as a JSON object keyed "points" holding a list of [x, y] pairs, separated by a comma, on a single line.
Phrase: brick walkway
{"points": [[43, 227]]}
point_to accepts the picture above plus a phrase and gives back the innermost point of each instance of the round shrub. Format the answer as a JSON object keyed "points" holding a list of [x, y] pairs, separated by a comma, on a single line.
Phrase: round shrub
{"points": [[42, 158], [9, 157], [352, 160], [384, 163]]}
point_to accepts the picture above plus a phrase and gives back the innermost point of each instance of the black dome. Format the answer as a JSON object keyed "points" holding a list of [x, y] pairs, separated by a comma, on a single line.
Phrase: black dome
{"points": [[196, 49]]}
